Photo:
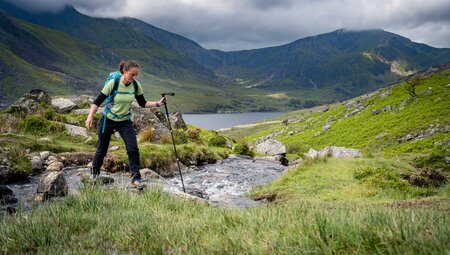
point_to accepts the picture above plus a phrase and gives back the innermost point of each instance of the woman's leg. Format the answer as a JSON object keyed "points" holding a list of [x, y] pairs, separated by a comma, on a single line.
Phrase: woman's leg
{"points": [[102, 145], [128, 135]]}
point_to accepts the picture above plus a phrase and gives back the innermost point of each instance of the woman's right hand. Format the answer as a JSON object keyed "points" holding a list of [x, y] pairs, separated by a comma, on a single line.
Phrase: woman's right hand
{"points": [[88, 123]]}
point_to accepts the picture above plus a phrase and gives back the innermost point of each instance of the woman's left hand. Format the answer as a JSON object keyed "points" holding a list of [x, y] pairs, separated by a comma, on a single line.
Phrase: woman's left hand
{"points": [[162, 101]]}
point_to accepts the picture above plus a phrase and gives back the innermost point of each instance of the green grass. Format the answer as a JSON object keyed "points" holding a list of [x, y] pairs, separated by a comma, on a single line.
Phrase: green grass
{"points": [[115, 221], [364, 180]]}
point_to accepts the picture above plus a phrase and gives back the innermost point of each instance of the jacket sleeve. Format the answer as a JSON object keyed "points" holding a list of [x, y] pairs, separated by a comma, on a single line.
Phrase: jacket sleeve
{"points": [[100, 98]]}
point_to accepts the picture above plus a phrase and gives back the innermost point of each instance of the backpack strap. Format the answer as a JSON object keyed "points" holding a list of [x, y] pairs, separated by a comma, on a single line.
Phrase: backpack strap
{"points": [[109, 101], [110, 98]]}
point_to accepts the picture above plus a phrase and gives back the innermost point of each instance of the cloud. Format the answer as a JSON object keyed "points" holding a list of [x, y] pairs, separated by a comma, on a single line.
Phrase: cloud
{"points": [[248, 24]]}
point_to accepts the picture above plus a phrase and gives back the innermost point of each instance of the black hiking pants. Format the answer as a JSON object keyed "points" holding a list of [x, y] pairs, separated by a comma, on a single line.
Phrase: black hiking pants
{"points": [[126, 131]]}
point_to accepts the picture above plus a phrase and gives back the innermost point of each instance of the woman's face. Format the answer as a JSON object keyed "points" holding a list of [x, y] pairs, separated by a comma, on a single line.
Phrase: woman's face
{"points": [[130, 74]]}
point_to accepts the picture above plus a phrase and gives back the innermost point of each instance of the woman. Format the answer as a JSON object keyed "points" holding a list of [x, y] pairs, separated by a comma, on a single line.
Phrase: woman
{"points": [[116, 117]]}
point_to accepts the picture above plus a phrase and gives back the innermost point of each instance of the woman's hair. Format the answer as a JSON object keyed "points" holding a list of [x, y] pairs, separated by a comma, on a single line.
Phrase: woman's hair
{"points": [[125, 65]]}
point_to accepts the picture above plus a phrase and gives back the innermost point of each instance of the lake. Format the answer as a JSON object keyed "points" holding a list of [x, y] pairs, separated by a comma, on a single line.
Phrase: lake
{"points": [[217, 121]]}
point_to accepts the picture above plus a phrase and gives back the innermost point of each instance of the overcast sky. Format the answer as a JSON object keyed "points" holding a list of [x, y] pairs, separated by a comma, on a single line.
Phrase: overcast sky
{"points": [[249, 24]]}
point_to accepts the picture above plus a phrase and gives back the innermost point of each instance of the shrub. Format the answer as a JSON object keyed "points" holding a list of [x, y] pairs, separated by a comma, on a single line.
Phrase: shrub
{"points": [[50, 114], [218, 141], [36, 124], [194, 135], [180, 136], [146, 134], [243, 148]]}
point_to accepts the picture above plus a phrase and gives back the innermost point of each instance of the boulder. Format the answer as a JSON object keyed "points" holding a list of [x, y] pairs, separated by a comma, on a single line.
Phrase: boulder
{"points": [[271, 147], [335, 152], [63, 105], [36, 163], [55, 166], [31, 103], [52, 184], [177, 121], [143, 119], [76, 130], [149, 174], [44, 155]]}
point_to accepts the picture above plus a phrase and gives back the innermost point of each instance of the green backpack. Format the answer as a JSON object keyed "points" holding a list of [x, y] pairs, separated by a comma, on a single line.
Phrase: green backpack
{"points": [[109, 102]]}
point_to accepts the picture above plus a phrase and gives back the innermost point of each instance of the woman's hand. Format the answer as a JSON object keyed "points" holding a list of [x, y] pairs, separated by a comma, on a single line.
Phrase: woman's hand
{"points": [[88, 122], [162, 101]]}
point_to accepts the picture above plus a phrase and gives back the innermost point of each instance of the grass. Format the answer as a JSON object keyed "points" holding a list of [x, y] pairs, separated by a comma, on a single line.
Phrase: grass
{"points": [[364, 180], [114, 221]]}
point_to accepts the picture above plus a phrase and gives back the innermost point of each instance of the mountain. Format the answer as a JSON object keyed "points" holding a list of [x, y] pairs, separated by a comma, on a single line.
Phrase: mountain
{"points": [[341, 64], [69, 52]]}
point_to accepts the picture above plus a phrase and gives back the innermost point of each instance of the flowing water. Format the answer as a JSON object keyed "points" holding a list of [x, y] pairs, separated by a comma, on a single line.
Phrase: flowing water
{"points": [[224, 183]]}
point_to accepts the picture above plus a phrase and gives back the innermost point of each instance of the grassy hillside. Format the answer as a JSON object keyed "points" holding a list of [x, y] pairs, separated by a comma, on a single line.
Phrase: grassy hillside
{"points": [[379, 122]]}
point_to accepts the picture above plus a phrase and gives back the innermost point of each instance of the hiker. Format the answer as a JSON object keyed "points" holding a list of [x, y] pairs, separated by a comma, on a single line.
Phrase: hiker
{"points": [[123, 89]]}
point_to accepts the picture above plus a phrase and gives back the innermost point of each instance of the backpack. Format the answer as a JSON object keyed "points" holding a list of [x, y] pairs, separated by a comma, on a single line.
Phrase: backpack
{"points": [[110, 99]]}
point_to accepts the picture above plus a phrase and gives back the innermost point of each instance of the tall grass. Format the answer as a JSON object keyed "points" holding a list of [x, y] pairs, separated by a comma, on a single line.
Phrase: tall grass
{"points": [[116, 222]]}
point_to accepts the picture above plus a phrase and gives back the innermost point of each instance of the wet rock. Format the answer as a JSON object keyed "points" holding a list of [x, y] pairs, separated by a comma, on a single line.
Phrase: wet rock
{"points": [[149, 174], [232, 201], [36, 163], [102, 179], [7, 195], [52, 184], [55, 166]]}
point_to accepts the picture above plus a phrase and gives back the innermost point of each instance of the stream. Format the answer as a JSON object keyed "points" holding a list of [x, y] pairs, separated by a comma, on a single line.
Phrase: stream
{"points": [[222, 184]]}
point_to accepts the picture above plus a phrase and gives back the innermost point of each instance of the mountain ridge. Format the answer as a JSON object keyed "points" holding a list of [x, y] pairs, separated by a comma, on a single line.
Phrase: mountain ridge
{"points": [[309, 71]]}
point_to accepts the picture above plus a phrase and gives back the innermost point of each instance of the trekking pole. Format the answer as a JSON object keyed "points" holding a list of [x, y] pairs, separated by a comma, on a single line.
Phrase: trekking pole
{"points": [[171, 133]]}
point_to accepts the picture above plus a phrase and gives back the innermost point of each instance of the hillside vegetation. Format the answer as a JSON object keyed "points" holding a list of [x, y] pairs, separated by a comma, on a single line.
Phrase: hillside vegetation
{"points": [[393, 200]]}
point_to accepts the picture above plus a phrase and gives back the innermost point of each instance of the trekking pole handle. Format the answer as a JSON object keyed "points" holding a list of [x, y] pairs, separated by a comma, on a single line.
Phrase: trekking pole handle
{"points": [[167, 94]]}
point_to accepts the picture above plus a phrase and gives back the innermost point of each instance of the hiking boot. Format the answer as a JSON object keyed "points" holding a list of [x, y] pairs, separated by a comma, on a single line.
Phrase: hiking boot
{"points": [[138, 184]]}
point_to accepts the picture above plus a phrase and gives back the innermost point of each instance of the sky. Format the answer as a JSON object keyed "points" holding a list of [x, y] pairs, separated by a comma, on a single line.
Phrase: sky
{"points": [[249, 24]]}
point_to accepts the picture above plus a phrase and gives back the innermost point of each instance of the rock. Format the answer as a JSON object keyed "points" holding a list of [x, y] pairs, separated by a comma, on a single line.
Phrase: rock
{"points": [[81, 100], [8, 199], [326, 126], [146, 119], [45, 139], [52, 184], [7, 175], [36, 163], [102, 179], [335, 152], [44, 155], [4, 190], [341, 152], [31, 103], [63, 105], [376, 112], [385, 94], [76, 130], [282, 159], [296, 162], [311, 153], [55, 166], [149, 174], [186, 196], [177, 122], [232, 201], [271, 147]]}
